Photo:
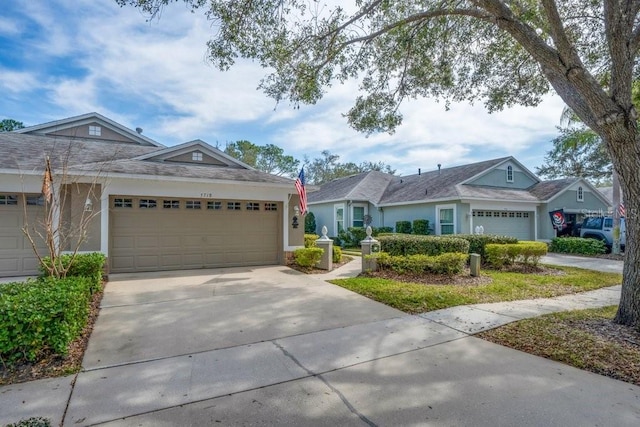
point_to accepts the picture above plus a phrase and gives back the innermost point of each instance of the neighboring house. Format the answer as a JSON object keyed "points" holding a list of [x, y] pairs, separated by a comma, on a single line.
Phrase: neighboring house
{"points": [[154, 207], [501, 195]]}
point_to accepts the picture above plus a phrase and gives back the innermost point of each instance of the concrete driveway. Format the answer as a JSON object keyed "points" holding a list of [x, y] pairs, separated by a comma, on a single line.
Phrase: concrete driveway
{"points": [[271, 346]]}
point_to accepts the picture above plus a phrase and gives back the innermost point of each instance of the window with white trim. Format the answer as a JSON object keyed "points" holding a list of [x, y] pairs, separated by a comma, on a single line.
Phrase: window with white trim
{"points": [[357, 215], [580, 194], [196, 156], [509, 173], [338, 218], [445, 219], [95, 130]]}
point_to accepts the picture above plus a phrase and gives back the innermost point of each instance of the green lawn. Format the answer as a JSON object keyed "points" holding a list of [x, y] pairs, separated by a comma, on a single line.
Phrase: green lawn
{"points": [[419, 298]]}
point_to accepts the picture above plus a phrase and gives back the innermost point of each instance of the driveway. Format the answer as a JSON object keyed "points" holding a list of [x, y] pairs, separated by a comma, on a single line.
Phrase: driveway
{"points": [[271, 346]]}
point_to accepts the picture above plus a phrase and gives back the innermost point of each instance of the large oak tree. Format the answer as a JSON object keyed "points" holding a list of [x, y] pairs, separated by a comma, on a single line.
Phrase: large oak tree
{"points": [[503, 52]]}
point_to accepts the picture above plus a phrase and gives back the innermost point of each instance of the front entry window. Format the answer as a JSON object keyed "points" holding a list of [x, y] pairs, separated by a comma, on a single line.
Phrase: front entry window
{"points": [[339, 216], [446, 221], [358, 216]]}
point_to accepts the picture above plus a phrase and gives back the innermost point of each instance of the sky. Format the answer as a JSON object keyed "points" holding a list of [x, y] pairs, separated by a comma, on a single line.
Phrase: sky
{"points": [[61, 58]]}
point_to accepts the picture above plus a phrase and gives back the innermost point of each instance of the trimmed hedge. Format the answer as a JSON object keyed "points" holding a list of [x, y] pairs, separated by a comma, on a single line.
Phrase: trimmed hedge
{"points": [[478, 242], [42, 315], [88, 265], [308, 257], [310, 240], [577, 245], [421, 226], [310, 223], [337, 253], [403, 227], [508, 254], [446, 263], [402, 244]]}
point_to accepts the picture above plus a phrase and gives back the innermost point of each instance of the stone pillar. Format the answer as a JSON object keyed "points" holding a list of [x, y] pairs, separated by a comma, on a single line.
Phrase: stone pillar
{"points": [[369, 246], [326, 244]]}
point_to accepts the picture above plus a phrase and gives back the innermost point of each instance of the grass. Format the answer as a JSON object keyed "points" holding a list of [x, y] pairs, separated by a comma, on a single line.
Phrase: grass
{"points": [[585, 339], [504, 286]]}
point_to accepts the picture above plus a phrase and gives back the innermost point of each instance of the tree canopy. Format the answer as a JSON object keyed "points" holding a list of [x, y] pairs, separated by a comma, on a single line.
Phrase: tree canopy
{"points": [[327, 168], [8, 125], [267, 158], [577, 152], [502, 52]]}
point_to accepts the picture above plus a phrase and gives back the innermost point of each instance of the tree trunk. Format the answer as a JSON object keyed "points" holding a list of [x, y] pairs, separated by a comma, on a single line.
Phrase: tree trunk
{"points": [[627, 166]]}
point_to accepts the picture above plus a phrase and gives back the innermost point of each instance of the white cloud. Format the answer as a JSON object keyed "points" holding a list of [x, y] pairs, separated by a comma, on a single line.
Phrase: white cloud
{"points": [[16, 81]]}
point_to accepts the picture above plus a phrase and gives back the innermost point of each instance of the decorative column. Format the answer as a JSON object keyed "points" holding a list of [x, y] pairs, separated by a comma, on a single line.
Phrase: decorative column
{"points": [[326, 244], [369, 246]]}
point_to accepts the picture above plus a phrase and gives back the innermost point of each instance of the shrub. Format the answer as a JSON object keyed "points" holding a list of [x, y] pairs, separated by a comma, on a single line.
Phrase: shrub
{"points": [[577, 245], [446, 263], [32, 422], [88, 265], [308, 257], [421, 226], [478, 242], [310, 223], [352, 236], [337, 254], [42, 315], [310, 240], [403, 227], [401, 244], [522, 252]]}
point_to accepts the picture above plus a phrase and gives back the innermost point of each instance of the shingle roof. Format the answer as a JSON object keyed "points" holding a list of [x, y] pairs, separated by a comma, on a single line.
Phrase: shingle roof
{"points": [[363, 186], [436, 184], [26, 153], [546, 189], [447, 183]]}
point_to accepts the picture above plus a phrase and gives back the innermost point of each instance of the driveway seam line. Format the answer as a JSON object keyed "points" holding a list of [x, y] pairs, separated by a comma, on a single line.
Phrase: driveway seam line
{"points": [[341, 396]]}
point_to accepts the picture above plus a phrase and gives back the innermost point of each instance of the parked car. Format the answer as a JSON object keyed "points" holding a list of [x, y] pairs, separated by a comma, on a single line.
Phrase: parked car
{"points": [[601, 228]]}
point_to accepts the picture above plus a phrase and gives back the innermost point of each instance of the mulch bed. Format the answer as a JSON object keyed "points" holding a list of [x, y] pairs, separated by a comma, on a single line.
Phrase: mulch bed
{"points": [[53, 365]]}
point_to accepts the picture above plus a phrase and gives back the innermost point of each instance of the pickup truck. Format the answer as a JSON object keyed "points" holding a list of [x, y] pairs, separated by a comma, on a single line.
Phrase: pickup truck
{"points": [[601, 228]]}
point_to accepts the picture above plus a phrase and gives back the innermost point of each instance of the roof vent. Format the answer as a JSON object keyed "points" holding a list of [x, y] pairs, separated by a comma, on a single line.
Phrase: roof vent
{"points": [[419, 171], [139, 130], [439, 166]]}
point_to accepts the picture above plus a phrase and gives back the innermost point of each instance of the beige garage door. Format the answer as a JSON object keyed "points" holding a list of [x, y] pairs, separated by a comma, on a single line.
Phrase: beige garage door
{"points": [[151, 234], [16, 254]]}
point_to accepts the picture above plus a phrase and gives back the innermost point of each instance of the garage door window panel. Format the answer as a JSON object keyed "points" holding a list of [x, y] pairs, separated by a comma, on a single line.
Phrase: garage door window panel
{"points": [[214, 205], [271, 207], [122, 203], [171, 204], [193, 204], [234, 206], [147, 203], [252, 206]]}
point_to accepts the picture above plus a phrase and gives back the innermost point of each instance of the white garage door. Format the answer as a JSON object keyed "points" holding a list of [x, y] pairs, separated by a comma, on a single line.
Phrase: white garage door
{"points": [[151, 234], [17, 257], [505, 223]]}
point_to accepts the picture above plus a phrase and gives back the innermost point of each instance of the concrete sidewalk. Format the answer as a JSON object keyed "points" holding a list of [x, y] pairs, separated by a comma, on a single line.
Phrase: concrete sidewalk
{"points": [[299, 351]]}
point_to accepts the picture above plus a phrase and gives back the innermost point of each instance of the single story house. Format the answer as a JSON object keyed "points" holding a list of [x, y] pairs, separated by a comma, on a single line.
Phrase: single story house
{"points": [[501, 195], [146, 206]]}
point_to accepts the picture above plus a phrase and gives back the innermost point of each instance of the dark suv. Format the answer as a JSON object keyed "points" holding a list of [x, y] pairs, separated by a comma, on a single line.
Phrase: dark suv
{"points": [[601, 228]]}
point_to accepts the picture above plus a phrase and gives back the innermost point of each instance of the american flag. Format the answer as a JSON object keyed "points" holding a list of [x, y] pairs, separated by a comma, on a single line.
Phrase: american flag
{"points": [[301, 192], [621, 210]]}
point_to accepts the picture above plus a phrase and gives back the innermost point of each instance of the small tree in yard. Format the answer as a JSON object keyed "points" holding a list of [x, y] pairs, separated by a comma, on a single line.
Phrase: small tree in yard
{"points": [[504, 52]]}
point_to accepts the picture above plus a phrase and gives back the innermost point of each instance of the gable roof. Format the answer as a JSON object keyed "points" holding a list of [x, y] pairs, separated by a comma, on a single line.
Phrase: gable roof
{"points": [[192, 146], [70, 122]]}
